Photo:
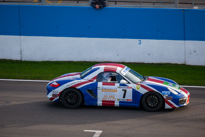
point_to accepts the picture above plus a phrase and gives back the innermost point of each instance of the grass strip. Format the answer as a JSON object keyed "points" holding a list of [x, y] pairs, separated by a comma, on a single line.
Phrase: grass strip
{"points": [[46, 70]]}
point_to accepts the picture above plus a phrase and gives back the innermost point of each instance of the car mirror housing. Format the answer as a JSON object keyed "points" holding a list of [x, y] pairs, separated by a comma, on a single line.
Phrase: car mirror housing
{"points": [[123, 81]]}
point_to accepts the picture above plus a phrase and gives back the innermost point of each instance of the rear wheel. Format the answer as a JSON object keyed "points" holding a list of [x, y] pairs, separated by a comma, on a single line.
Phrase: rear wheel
{"points": [[152, 101], [71, 98]]}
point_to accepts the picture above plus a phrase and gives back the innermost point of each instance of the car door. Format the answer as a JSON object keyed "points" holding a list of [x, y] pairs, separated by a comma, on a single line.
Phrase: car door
{"points": [[111, 93]]}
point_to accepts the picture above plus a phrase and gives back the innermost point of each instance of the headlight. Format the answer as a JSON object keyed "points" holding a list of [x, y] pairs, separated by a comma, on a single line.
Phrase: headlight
{"points": [[182, 101], [173, 91]]}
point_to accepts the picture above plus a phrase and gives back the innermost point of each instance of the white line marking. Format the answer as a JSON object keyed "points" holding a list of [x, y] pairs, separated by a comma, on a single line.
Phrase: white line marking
{"points": [[97, 132], [25, 80], [192, 86]]}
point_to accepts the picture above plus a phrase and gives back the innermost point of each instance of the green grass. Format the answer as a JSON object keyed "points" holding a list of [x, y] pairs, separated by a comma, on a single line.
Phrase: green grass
{"points": [[182, 74]]}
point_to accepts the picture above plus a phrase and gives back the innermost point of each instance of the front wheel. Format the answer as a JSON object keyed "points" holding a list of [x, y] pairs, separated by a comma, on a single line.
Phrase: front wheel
{"points": [[152, 101], [71, 98]]}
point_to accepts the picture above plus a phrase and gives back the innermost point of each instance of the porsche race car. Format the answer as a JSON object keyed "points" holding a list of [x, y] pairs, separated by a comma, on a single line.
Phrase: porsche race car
{"points": [[112, 84]]}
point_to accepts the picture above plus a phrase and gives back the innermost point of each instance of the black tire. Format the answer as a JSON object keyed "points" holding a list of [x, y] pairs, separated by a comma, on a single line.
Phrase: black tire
{"points": [[71, 98], [152, 101]]}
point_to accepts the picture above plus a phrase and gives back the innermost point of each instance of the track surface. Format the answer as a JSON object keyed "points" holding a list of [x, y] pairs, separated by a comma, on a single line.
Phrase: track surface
{"points": [[25, 111]]}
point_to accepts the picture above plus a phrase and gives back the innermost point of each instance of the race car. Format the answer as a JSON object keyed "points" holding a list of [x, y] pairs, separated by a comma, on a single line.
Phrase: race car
{"points": [[112, 84]]}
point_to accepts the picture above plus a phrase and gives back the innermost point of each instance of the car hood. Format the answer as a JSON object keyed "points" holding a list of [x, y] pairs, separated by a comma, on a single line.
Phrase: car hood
{"points": [[161, 82], [68, 76]]}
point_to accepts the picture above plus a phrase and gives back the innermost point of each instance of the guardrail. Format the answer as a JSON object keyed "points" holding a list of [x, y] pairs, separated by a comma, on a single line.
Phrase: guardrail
{"points": [[116, 3]]}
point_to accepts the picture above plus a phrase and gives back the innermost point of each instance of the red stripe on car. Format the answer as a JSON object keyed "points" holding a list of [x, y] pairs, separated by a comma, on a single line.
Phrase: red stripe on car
{"points": [[94, 78], [66, 76], [188, 99], [170, 104], [52, 98], [184, 90], [110, 64], [110, 69], [145, 87], [108, 84], [156, 80], [108, 103], [79, 84]]}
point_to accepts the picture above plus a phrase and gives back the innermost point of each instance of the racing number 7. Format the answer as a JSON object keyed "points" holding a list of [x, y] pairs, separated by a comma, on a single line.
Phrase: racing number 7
{"points": [[125, 91]]}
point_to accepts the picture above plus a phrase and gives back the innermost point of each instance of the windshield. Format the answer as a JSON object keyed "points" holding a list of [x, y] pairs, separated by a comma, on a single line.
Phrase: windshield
{"points": [[82, 74], [132, 75]]}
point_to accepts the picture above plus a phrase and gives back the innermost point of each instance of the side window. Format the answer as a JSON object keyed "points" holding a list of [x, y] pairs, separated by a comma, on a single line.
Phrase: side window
{"points": [[112, 77]]}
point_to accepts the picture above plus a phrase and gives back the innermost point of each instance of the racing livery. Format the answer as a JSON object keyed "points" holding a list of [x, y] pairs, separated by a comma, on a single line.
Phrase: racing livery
{"points": [[112, 84]]}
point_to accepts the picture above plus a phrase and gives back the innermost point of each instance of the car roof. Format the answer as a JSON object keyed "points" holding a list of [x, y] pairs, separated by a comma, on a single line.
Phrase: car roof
{"points": [[103, 67], [111, 65]]}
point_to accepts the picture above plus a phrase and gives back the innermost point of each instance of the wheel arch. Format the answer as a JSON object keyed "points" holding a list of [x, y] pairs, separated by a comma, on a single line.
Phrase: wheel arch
{"points": [[71, 88], [149, 92]]}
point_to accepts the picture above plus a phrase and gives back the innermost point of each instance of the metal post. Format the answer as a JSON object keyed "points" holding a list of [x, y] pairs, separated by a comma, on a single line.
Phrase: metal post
{"points": [[192, 3], [90, 1], [176, 3], [43, 2]]}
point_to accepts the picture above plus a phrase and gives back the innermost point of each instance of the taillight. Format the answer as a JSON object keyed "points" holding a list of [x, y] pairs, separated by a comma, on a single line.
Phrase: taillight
{"points": [[54, 84]]}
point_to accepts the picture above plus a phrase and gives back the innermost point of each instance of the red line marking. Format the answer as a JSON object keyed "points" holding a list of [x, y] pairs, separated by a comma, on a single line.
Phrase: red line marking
{"points": [[110, 69], [145, 87], [188, 99], [184, 90], [79, 84], [94, 78], [52, 98], [66, 76], [108, 84], [110, 64], [59, 93], [156, 80], [108, 103], [168, 103]]}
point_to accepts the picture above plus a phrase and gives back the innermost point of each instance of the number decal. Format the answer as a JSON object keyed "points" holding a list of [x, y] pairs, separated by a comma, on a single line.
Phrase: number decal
{"points": [[139, 42], [125, 91]]}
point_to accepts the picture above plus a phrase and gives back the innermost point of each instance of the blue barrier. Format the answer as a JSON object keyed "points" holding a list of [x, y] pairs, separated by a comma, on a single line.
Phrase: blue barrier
{"points": [[110, 22], [9, 20], [195, 24]]}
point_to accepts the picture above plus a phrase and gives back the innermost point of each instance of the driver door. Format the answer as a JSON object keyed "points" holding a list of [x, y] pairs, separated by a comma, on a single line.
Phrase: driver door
{"points": [[111, 93]]}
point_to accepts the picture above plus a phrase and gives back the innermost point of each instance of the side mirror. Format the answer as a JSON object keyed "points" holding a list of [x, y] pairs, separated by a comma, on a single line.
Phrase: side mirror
{"points": [[123, 81]]}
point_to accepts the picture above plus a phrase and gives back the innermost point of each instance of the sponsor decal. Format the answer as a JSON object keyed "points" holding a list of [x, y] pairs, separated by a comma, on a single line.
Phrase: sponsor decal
{"points": [[171, 85], [55, 95], [125, 87], [138, 87], [122, 86], [169, 98], [109, 90], [109, 97], [130, 100], [165, 93], [125, 70]]}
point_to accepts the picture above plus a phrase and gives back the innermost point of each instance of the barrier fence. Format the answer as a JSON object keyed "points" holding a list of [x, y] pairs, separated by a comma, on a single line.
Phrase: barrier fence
{"points": [[69, 33], [196, 4]]}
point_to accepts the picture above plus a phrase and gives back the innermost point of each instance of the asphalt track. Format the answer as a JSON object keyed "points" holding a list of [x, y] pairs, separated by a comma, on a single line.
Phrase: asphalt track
{"points": [[25, 111]]}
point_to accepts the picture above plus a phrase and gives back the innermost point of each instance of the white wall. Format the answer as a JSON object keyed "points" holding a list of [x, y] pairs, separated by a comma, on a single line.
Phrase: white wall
{"points": [[102, 49], [10, 47], [195, 52]]}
